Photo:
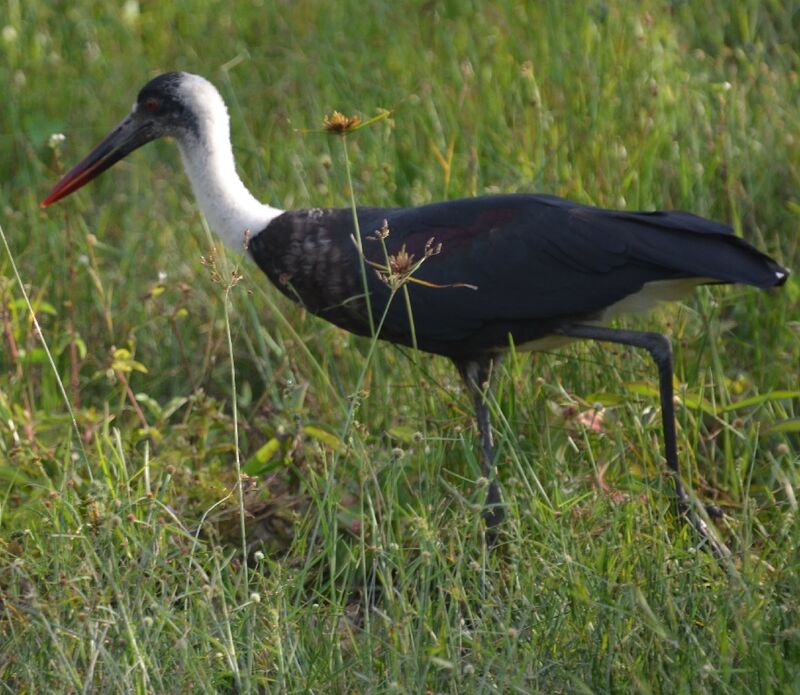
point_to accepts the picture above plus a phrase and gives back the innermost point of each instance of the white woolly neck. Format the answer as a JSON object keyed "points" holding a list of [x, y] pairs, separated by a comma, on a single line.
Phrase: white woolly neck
{"points": [[231, 210]]}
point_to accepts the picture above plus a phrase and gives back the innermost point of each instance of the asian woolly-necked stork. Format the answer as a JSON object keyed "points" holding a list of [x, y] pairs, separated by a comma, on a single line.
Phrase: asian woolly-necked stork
{"points": [[541, 270]]}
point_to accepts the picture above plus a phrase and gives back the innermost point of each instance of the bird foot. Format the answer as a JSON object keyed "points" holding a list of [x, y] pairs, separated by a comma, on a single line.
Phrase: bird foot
{"points": [[708, 537]]}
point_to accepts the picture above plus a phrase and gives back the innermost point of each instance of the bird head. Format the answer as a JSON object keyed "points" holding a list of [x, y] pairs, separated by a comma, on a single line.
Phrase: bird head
{"points": [[175, 104]]}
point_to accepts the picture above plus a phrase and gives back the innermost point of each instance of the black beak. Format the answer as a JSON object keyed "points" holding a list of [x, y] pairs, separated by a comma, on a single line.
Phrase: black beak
{"points": [[129, 135]]}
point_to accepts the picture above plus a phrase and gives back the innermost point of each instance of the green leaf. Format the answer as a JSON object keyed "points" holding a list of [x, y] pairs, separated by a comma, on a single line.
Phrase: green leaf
{"points": [[642, 388], [763, 398], [790, 425], [690, 400], [402, 433], [173, 405], [695, 402], [259, 461], [151, 404], [81, 346], [39, 306], [329, 439], [128, 366], [123, 362], [35, 355], [12, 475]]}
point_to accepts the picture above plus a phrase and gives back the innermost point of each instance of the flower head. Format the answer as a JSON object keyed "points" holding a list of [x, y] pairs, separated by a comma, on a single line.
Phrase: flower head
{"points": [[339, 124]]}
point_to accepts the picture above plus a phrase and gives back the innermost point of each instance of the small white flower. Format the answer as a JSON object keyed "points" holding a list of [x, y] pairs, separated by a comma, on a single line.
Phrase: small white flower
{"points": [[130, 12]]}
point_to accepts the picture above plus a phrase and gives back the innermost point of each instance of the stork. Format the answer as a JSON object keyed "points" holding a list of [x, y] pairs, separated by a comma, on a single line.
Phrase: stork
{"points": [[535, 271]]}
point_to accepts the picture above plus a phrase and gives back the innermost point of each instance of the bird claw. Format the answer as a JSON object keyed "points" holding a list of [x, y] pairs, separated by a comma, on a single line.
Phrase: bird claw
{"points": [[714, 512]]}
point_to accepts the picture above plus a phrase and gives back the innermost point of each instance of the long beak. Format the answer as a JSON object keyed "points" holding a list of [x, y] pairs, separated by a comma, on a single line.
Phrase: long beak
{"points": [[129, 135]]}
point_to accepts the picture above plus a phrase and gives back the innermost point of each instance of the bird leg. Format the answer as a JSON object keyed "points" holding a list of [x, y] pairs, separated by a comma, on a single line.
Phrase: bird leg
{"points": [[476, 375], [661, 351]]}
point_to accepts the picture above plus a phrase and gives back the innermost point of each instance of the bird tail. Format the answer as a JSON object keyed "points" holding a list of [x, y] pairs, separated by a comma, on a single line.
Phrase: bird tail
{"points": [[701, 248]]}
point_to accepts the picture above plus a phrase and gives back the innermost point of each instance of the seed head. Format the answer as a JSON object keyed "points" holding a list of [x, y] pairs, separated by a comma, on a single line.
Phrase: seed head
{"points": [[381, 234], [402, 262], [432, 248], [339, 124]]}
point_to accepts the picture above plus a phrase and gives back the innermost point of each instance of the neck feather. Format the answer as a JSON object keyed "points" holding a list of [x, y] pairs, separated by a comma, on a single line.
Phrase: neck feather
{"points": [[231, 210]]}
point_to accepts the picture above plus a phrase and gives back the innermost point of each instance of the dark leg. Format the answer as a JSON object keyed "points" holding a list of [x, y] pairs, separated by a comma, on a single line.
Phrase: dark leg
{"points": [[476, 374], [661, 351]]}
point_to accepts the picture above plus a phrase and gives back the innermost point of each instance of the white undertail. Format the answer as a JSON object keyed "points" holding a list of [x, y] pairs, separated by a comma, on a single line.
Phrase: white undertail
{"points": [[231, 210]]}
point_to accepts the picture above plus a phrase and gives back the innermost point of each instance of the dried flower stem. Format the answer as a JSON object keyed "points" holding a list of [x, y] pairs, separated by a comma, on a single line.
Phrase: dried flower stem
{"points": [[362, 260], [132, 397]]}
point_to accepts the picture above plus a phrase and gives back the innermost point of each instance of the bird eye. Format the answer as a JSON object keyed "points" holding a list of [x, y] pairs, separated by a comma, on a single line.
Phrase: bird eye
{"points": [[152, 105]]}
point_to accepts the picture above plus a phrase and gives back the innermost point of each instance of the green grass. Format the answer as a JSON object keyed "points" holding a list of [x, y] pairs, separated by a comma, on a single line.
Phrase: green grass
{"points": [[121, 553]]}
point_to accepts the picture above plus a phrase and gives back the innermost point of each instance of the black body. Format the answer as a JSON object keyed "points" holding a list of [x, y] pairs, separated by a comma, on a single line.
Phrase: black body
{"points": [[539, 263]]}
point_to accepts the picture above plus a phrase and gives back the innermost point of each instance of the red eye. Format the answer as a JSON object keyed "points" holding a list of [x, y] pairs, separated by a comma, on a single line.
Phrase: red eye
{"points": [[152, 105]]}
